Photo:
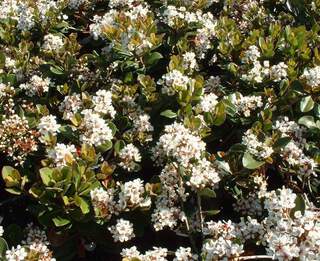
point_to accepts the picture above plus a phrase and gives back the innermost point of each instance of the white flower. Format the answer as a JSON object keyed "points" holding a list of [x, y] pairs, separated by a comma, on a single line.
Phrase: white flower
{"points": [[70, 105], [289, 128], [312, 76], [17, 139], [184, 254], [122, 231], [165, 217], [37, 243], [283, 247], [1, 231], [36, 86], [131, 195], [190, 61], [203, 174], [35, 235], [224, 229], [131, 253], [52, 42], [258, 72], [261, 150], [48, 125], [172, 15], [221, 247], [122, 3], [25, 17], [95, 130], [251, 55], [278, 72], [208, 102], [62, 154], [157, 254], [249, 206], [282, 200], [141, 123], [178, 143], [75, 4], [102, 22], [129, 156], [16, 254], [103, 202], [246, 104], [5, 90], [102, 102], [203, 40], [174, 81], [10, 63], [211, 84], [45, 6]]}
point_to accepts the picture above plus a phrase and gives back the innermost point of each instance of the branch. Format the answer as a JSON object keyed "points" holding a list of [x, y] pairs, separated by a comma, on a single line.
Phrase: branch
{"points": [[191, 239], [200, 212], [254, 257]]}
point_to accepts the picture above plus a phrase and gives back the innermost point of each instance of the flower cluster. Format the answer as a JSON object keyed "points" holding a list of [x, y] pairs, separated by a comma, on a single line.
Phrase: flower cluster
{"points": [[311, 75], [34, 247], [122, 231], [260, 149], [178, 143], [17, 139], [246, 104]]}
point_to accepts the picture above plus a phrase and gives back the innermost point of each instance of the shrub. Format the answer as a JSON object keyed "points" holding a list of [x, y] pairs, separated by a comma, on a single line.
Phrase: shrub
{"points": [[160, 130]]}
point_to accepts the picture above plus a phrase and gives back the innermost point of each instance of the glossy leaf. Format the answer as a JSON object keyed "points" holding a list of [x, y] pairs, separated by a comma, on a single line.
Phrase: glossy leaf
{"points": [[250, 163]]}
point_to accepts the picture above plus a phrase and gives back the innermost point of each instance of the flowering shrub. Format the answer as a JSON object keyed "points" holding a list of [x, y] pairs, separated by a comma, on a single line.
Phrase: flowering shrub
{"points": [[160, 130]]}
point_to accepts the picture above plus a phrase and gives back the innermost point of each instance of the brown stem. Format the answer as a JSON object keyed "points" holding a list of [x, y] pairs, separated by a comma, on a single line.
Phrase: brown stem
{"points": [[200, 212], [254, 257]]}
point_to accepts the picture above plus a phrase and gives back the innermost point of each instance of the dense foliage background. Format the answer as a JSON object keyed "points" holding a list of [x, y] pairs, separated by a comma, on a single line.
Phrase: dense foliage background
{"points": [[159, 130]]}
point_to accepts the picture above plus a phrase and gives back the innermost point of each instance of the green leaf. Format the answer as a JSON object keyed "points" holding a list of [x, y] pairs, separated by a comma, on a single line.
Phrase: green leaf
{"points": [[14, 191], [152, 58], [262, 43], [119, 145], [105, 146], [192, 123], [113, 128], [14, 234], [168, 114], [88, 153], [208, 118], [3, 247], [282, 142], [212, 212], [249, 162], [307, 121], [306, 104], [11, 176], [56, 70], [300, 205], [83, 204], [67, 132], [238, 148], [128, 78], [209, 193], [46, 175], [60, 221], [317, 110], [2, 60], [11, 78], [230, 108], [284, 86], [220, 114]]}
